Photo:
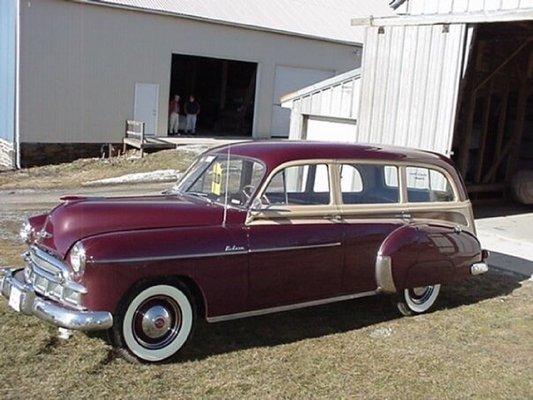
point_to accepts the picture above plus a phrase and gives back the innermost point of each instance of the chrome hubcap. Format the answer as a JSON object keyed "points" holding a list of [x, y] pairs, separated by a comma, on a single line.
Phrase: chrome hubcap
{"points": [[157, 322], [420, 295], [419, 291]]}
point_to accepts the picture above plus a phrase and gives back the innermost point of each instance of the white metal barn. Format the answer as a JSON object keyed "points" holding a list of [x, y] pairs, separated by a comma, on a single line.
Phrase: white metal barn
{"points": [[451, 76], [76, 70]]}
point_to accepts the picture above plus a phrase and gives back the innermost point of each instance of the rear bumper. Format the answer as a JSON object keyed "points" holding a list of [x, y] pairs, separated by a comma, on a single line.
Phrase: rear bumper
{"points": [[54, 313], [479, 268]]}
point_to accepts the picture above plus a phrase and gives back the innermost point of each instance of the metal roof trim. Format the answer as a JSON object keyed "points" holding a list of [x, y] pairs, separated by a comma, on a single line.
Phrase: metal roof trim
{"points": [[440, 19], [217, 21], [335, 80]]}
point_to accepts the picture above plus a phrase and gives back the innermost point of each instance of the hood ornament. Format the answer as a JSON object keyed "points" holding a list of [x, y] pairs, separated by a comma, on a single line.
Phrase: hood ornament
{"points": [[44, 235]]}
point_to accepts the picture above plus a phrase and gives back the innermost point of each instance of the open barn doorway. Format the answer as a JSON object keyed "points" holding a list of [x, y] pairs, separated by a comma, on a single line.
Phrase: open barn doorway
{"points": [[224, 89], [493, 141]]}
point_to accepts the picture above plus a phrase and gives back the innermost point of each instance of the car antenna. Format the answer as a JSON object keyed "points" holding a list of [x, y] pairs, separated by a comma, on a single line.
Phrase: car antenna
{"points": [[227, 187]]}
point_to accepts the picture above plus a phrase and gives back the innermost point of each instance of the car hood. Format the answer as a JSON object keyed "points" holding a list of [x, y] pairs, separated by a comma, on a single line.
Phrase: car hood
{"points": [[78, 218]]}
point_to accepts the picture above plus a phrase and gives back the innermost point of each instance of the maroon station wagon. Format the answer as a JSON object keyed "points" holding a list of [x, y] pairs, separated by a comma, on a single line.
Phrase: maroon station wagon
{"points": [[252, 228]]}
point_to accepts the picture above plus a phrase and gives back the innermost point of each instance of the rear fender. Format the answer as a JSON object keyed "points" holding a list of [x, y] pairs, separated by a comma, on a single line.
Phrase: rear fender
{"points": [[425, 254]]}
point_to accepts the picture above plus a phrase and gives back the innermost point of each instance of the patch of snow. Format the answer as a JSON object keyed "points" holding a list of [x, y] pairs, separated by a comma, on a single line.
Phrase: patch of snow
{"points": [[164, 175], [381, 333]]}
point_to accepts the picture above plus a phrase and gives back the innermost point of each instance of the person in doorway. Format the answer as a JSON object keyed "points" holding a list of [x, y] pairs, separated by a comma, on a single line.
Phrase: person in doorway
{"points": [[192, 109], [174, 119]]}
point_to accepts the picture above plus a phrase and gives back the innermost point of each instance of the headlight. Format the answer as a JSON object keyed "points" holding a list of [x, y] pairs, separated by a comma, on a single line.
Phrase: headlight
{"points": [[26, 232], [77, 257]]}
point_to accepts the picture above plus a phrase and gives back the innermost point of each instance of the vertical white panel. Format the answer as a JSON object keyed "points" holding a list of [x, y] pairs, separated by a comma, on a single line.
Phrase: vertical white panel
{"points": [[367, 83], [526, 4], [380, 91], [445, 6], [325, 104], [492, 5], [316, 100], [476, 5], [409, 98], [510, 4], [431, 7], [406, 83], [356, 98], [395, 77], [336, 98], [460, 6], [450, 87], [346, 100], [421, 72], [433, 88]]}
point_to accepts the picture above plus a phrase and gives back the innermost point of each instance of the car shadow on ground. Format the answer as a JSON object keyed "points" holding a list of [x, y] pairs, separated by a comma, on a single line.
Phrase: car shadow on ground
{"points": [[315, 322]]}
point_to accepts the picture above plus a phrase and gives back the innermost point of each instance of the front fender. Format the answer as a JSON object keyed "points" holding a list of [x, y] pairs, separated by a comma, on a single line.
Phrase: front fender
{"points": [[425, 254], [214, 258]]}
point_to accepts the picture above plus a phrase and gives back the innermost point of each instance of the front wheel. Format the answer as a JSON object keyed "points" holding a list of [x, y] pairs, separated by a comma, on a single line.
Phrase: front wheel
{"points": [[417, 300], [154, 323]]}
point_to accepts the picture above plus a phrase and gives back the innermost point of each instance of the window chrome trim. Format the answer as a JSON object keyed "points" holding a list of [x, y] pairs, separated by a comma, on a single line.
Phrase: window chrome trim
{"points": [[297, 306]]}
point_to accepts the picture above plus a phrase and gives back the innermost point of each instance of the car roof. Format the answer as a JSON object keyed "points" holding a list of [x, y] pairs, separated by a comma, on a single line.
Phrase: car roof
{"points": [[276, 152]]}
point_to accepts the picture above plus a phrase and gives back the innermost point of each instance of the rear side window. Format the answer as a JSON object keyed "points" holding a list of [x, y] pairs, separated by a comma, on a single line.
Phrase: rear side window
{"points": [[427, 185], [369, 184], [299, 186]]}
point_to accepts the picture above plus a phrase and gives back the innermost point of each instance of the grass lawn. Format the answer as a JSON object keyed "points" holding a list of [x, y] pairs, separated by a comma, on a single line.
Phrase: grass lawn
{"points": [[75, 174], [478, 344]]}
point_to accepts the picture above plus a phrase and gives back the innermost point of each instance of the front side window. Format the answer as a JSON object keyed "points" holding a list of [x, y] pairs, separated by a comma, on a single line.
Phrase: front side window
{"points": [[299, 186], [427, 185], [212, 176], [369, 184]]}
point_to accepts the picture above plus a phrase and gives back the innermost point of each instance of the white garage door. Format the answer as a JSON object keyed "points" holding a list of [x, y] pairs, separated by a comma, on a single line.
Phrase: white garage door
{"points": [[332, 130], [288, 80]]}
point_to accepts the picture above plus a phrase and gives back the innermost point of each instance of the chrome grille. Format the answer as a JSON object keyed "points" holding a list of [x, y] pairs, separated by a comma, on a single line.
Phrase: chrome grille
{"points": [[51, 278]]}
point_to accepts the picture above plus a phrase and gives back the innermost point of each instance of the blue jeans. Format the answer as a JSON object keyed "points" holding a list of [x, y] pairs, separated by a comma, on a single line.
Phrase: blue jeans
{"points": [[191, 123]]}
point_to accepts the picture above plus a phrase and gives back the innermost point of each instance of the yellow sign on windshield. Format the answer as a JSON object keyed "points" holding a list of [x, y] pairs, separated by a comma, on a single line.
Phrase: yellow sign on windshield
{"points": [[216, 185]]}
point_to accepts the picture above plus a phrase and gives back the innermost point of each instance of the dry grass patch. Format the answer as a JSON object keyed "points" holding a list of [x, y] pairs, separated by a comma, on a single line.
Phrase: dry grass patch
{"points": [[477, 344], [78, 172]]}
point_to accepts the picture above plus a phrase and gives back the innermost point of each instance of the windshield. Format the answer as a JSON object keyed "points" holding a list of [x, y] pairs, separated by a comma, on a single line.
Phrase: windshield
{"points": [[208, 179]]}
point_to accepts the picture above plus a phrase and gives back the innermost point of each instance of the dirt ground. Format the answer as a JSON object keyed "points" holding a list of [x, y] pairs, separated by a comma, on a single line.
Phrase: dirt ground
{"points": [[78, 173], [477, 343]]}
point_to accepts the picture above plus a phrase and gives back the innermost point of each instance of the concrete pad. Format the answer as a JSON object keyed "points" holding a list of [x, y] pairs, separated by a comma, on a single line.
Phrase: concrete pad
{"points": [[510, 240]]}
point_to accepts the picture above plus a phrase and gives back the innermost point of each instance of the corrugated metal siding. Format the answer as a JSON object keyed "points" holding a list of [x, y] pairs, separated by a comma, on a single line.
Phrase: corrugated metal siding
{"points": [[409, 87], [337, 97], [320, 18], [429, 7], [7, 69]]}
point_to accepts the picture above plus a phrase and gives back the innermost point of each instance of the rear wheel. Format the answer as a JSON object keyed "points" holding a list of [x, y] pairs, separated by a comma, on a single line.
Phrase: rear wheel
{"points": [[154, 322], [417, 300]]}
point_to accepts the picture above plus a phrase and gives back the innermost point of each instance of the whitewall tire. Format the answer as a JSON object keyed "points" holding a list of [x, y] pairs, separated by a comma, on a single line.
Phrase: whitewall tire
{"points": [[417, 300], [155, 322]]}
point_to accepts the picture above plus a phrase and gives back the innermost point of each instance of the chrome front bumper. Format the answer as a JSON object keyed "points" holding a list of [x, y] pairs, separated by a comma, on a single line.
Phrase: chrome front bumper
{"points": [[50, 311]]}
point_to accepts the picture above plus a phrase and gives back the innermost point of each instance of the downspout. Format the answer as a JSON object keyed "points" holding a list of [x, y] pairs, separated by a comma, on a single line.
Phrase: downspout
{"points": [[17, 85]]}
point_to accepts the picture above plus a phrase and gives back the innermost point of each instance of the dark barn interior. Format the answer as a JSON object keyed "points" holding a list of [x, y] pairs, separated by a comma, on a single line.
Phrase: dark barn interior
{"points": [[493, 138], [225, 90]]}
